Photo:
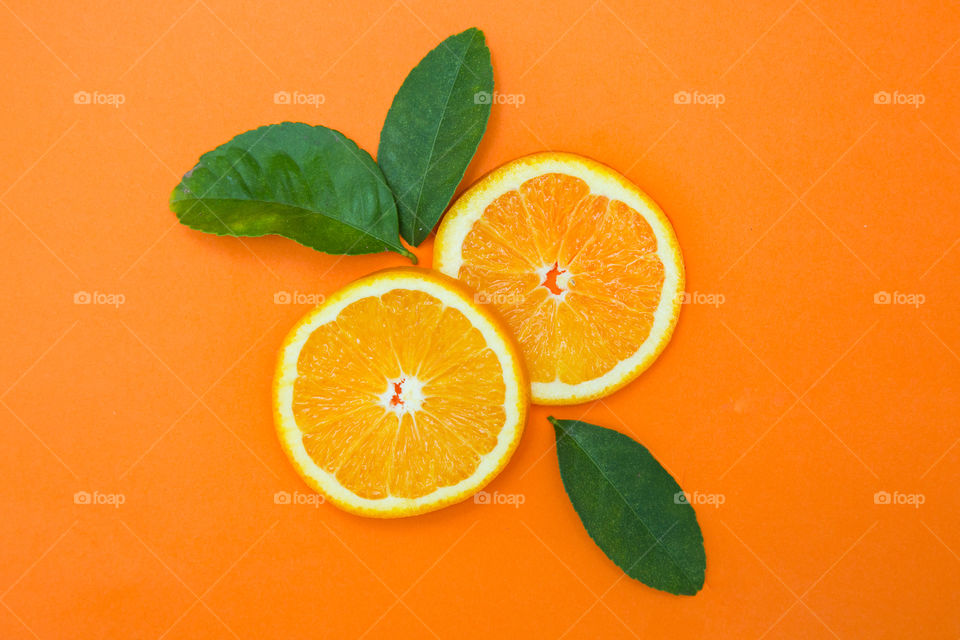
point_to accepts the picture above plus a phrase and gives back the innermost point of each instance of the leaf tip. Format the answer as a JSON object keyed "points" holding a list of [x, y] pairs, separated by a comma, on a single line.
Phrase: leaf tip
{"points": [[689, 590]]}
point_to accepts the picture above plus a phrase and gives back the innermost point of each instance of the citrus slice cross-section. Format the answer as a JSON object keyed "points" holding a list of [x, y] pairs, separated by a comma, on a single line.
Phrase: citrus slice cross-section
{"points": [[399, 395], [582, 265]]}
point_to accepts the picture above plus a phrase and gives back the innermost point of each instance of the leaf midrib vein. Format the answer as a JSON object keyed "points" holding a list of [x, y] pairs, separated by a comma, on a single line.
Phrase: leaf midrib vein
{"points": [[305, 213]]}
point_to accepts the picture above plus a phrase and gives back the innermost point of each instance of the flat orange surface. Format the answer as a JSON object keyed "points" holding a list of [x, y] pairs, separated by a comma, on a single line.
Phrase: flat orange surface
{"points": [[808, 155]]}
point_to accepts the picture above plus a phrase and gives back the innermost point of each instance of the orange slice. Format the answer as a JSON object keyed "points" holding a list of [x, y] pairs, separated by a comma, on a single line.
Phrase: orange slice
{"points": [[399, 395], [583, 266]]}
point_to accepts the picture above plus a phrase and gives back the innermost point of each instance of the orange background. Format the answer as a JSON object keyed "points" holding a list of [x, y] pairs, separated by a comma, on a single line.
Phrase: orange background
{"points": [[794, 401]]}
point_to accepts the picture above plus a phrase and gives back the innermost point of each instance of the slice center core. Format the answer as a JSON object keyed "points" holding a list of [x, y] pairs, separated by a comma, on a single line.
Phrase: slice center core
{"points": [[403, 395], [555, 279]]}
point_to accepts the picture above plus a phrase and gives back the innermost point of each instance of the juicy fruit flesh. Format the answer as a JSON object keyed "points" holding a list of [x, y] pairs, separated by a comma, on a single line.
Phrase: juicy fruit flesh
{"points": [[399, 396], [575, 275]]}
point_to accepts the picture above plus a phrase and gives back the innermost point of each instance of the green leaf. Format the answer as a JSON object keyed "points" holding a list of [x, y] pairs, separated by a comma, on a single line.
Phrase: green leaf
{"points": [[310, 184], [632, 508], [433, 129]]}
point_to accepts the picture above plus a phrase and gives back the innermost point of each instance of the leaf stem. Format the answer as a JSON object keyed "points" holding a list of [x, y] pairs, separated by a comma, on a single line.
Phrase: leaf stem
{"points": [[406, 253]]}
